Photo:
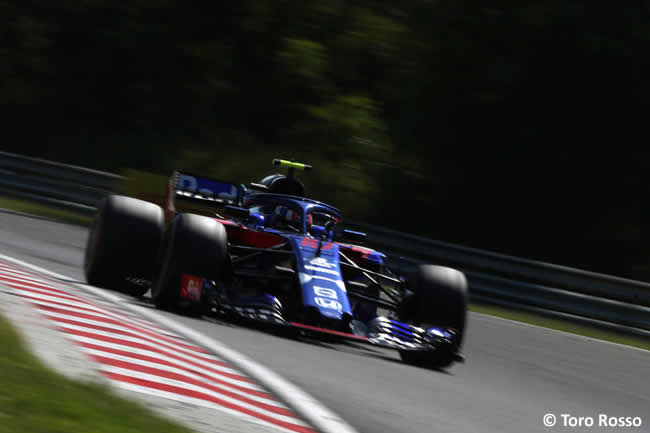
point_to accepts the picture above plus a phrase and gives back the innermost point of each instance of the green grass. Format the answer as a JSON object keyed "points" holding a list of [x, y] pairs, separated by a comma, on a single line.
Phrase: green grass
{"points": [[36, 399], [44, 211], [560, 325]]}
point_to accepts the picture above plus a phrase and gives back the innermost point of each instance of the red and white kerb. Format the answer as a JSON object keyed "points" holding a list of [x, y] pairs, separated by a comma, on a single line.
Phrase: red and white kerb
{"points": [[138, 355]]}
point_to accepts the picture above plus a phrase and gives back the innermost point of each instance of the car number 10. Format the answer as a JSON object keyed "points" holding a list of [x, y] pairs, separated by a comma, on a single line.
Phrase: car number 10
{"points": [[327, 298]]}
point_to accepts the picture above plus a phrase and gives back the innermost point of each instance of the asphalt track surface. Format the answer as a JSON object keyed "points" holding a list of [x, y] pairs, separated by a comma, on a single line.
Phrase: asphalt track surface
{"points": [[514, 375]]}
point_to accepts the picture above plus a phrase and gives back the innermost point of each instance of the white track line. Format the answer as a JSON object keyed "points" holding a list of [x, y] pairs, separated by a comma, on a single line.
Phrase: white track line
{"points": [[306, 406], [556, 331]]}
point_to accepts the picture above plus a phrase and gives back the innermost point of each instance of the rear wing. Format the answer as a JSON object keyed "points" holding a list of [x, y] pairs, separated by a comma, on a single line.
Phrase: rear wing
{"points": [[201, 193]]}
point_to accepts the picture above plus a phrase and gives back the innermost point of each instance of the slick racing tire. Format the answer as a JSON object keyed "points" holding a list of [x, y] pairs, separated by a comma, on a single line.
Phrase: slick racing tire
{"points": [[123, 242], [194, 245], [439, 299]]}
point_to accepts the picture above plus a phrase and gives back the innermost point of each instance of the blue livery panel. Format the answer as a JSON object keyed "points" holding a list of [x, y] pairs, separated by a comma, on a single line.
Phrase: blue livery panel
{"points": [[320, 277]]}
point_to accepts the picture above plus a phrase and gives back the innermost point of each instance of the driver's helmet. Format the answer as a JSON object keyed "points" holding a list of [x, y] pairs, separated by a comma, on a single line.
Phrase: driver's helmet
{"points": [[283, 216]]}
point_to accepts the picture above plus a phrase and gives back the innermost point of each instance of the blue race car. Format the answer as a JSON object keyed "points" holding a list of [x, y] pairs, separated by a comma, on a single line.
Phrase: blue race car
{"points": [[267, 253]]}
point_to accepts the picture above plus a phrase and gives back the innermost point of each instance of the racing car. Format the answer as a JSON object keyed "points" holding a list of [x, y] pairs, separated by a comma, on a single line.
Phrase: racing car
{"points": [[267, 253]]}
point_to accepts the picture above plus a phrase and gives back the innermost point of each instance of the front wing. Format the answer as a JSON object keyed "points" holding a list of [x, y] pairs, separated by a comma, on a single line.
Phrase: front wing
{"points": [[380, 331]]}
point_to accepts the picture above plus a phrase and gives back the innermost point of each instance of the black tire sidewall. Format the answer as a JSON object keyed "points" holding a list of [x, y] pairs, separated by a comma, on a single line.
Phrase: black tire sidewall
{"points": [[194, 245], [123, 241], [439, 298]]}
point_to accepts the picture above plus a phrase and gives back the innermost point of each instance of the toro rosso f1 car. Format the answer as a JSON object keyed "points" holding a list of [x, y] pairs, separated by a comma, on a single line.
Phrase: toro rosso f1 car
{"points": [[267, 253]]}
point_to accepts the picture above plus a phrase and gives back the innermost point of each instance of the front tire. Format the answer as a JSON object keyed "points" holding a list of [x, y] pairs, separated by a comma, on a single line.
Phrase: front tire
{"points": [[439, 299], [123, 242], [194, 245]]}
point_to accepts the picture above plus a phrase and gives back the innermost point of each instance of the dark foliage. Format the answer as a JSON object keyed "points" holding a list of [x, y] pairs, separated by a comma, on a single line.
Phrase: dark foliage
{"points": [[513, 126]]}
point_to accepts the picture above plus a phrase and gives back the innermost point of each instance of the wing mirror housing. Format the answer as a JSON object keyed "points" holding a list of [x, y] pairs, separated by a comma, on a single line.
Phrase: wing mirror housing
{"points": [[257, 218], [323, 232], [317, 231]]}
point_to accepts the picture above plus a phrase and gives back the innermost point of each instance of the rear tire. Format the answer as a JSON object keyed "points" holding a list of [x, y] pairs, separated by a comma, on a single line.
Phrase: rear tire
{"points": [[123, 242], [194, 245], [439, 299]]}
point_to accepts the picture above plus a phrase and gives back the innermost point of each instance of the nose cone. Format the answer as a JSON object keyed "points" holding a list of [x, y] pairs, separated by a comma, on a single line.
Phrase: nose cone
{"points": [[323, 289]]}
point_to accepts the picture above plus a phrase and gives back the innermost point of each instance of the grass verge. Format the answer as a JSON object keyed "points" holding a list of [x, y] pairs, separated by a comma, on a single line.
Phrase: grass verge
{"points": [[44, 211], [560, 325], [36, 399]]}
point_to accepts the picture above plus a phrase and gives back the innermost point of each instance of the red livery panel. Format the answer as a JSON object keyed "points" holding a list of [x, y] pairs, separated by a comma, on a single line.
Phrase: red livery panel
{"points": [[243, 235], [191, 287]]}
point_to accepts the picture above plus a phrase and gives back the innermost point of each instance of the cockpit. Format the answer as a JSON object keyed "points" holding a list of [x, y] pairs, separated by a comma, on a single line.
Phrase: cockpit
{"points": [[313, 219], [278, 216]]}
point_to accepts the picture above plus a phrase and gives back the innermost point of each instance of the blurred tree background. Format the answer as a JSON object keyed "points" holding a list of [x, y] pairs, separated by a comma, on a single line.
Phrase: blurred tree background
{"points": [[514, 126]]}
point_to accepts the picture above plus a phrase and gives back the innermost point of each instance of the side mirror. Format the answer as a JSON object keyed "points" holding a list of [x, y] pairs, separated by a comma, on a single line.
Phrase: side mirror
{"points": [[353, 236], [317, 231], [257, 219], [237, 212]]}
